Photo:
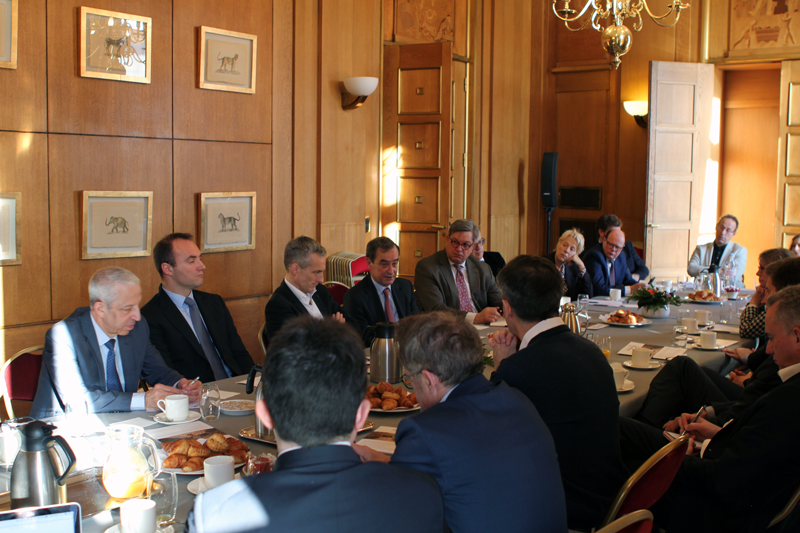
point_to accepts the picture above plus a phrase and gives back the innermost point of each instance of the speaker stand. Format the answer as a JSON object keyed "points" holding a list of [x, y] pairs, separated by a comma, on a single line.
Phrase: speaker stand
{"points": [[549, 211]]}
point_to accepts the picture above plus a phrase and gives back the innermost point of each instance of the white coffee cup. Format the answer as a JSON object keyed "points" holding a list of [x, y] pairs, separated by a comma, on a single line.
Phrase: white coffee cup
{"points": [[691, 325], [615, 295], [218, 470], [703, 317], [564, 300], [620, 374], [708, 339], [175, 407], [138, 516], [641, 357], [666, 284]]}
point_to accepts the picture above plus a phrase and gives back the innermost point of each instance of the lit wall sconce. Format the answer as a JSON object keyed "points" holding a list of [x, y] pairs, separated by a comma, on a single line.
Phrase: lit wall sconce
{"points": [[359, 88], [638, 110]]}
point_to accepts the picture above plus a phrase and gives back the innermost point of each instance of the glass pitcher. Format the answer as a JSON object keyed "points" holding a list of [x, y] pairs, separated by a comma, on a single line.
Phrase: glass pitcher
{"points": [[126, 472]]}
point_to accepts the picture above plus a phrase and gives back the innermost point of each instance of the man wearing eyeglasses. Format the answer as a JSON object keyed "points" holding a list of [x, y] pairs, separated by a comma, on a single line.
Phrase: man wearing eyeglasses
{"points": [[718, 252], [607, 267], [452, 278], [493, 259]]}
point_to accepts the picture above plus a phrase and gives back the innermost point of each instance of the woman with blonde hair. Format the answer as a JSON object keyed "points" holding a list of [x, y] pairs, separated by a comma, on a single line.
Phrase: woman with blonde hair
{"points": [[567, 261]]}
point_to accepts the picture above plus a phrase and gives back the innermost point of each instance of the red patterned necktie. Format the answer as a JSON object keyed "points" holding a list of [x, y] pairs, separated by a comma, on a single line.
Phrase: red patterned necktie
{"points": [[464, 300], [387, 304]]}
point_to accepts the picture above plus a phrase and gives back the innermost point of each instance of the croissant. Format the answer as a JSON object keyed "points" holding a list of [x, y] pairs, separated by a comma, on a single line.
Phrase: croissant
{"points": [[412, 398], [176, 460], [239, 456], [199, 451], [374, 402], [194, 464], [393, 396], [217, 443], [176, 446], [383, 386], [237, 445], [405, 402], [389, 404], [400, 391]]}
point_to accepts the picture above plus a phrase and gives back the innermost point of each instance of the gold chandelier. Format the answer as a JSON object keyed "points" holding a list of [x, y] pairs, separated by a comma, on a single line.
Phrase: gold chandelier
{"points": [[616, 37]]}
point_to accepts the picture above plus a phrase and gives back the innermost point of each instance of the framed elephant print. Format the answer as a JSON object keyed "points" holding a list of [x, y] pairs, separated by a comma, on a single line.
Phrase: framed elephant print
{"points": [[10, 228], [227, 61], [117, 224], [115, 46], [227, 221]]}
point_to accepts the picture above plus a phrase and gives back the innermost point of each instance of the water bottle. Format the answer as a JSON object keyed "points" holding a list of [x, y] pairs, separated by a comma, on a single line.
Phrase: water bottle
{"points": [[729, 272]]}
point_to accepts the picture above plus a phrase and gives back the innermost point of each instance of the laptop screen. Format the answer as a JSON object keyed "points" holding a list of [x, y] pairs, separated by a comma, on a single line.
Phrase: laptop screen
{"points": [[62, 518]]}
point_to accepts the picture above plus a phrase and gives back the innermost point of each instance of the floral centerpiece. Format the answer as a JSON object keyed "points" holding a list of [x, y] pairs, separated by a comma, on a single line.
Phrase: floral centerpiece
{"points": [[654, 302]]}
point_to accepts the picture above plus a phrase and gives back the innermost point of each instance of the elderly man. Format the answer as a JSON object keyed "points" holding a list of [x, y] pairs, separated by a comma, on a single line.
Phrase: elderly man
{"points": [[746, 470], [319, 483], [301, 292], [484, 443], [636, 266], [381, 296], [96, 356], [452, 278], [193, 330], [607, 267], [568, 380], [718, 252], [493, 259]]}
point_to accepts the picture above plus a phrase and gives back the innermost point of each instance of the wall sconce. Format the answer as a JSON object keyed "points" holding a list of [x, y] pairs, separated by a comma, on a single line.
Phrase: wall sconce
{"points": [[360, 88], [638, 110]]}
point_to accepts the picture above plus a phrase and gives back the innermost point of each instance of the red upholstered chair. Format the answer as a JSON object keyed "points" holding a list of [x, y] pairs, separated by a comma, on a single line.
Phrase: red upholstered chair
{"points": [[646, 486], [337, 290], [19, 376], [636, 522], [359, 266]]}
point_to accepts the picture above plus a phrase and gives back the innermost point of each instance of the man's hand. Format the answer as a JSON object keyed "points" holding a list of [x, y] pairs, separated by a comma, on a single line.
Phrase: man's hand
{"points": [[700, 430], [338, 317], [737, 353], [635, 276], [504, 344], [159, 392], [487, 316], [758, 298], [368, 455], [739, 377], [636, 286], [675, 425], [192, 390]]}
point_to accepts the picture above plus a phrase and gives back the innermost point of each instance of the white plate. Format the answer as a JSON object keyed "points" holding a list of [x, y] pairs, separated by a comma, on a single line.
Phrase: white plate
{"points": [[237, 407], [198, 486], [644, 322], [627, 387], [702, 302], [395, 410], [651, 366], [697, 346], [179, 471], [161, 418], [117, 528]]}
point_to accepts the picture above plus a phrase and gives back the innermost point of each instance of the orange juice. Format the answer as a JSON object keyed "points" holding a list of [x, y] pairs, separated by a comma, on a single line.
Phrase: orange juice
{"points": [[123, 485], [607, 353]]}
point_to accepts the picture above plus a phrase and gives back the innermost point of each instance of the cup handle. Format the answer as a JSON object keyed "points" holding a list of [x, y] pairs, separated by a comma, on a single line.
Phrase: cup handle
{"points": [[162, 407], [626, 374]]}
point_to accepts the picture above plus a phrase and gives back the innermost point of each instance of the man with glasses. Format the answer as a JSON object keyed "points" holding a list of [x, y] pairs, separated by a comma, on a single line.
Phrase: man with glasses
{"points": [[607, 267], [718, 252], [452, 278], [493, 259]]}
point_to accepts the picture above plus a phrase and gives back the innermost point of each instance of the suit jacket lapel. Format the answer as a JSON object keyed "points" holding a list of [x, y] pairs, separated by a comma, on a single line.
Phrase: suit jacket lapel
{"points": [[447, 272], [292, 299], [126, 353], [176, 318], [91, 341], [375, 298], [474, 275]]}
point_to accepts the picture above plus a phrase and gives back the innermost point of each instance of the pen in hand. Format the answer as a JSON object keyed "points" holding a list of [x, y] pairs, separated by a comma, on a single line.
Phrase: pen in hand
{"points": [[694, 419], [189, 386]]}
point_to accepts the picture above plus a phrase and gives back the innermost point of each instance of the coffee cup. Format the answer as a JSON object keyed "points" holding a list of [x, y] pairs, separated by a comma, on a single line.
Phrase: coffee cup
{"points": [[138, 516], [691, 325], [708, 339], [620, 374], [641, 357], [564, 300], [615, 295], [218, 470], [703, 317], [175, 407]]}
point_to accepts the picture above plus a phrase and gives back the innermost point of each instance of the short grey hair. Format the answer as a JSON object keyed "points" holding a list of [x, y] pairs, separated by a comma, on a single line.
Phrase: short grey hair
{"points": [[576, 234], [442, 343], [299, 251], [787, 310], [102, 286], [464, 225]]}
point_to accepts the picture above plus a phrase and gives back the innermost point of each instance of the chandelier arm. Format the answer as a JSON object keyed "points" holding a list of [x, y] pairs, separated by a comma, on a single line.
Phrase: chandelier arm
{"points": [[583, 26], [589, 3], [676, 7]]}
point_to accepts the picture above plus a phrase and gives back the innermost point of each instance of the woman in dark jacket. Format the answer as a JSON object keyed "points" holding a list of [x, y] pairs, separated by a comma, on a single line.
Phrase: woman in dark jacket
{"points": [[567, 260]]}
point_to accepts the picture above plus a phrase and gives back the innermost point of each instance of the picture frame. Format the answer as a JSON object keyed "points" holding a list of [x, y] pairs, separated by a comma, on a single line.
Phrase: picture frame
{"points": [[115, 46], [227, 60], [227, 221], [117, 224], [9, 30], [10, 228]]}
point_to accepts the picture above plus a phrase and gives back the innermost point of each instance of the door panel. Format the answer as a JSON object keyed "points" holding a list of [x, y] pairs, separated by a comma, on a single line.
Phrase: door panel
{"points": [[420, 91], [787, 223]]}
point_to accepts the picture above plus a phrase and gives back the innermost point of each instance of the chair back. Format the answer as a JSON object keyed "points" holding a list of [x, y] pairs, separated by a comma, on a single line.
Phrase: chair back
{"points": [[337, 291], [788, 508], [262, 338], [636, 522], [19, 377], [646, 486]]}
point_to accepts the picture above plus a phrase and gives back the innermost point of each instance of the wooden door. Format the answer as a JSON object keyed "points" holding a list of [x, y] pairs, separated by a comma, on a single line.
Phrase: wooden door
{"points": [[417, 130], [679, 149], [459, 185], [787, 223]]}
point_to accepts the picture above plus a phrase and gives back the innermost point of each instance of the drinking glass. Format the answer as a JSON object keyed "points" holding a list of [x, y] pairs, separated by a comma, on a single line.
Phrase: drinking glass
{"points": [[740, 309], [583, 302], [164, 491], [679, 336], [209, 401], [726, 312], [682, 281], [684, 313], [604, 343]]}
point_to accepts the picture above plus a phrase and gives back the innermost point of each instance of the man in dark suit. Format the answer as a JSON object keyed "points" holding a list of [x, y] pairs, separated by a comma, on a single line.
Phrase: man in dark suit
{"points": [[319, 483], [94, 358], [193, 330], [493, 259], [606, 266], [452, 278], [568, 380], [745, 471], [466, 419], [636, 266], [381, 296], [301, 292]]}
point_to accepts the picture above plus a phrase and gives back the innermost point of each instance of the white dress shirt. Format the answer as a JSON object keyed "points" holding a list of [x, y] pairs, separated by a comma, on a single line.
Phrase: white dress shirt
{"points": [[306, 299], [540, 327]]}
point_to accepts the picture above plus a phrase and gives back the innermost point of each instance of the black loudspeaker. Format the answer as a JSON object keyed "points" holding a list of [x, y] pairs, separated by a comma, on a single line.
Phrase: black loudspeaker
{"points": [[549, 169]]}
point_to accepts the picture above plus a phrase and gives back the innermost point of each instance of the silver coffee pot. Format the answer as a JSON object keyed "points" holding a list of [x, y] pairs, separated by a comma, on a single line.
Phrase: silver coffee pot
{"points": [[261, 431], [39, 474], [714, 280], [384, 362], [569, 315]]}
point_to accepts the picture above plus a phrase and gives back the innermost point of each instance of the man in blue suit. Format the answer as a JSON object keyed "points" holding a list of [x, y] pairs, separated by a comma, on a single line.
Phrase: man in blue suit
{"points": [[96, 356], [607, 268], [466, 419]]}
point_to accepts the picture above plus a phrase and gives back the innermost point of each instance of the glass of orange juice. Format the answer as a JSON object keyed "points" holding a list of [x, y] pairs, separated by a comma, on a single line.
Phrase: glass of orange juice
{"points": [[604, 343]]}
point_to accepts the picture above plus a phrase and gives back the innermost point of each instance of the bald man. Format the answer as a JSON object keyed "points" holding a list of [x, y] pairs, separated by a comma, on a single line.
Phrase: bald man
{"points": [[606, 266]]}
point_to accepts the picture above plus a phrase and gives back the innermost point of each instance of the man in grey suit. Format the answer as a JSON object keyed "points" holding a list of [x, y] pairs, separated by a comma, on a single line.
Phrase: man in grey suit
{"points": [[96, 356], [452, 278]]}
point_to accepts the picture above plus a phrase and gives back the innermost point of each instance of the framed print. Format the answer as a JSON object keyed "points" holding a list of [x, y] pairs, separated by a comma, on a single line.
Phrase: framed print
{"points": [[115, 46], [227, 61], [117, 224], [227, 221], [8, 33], [10, 228]]}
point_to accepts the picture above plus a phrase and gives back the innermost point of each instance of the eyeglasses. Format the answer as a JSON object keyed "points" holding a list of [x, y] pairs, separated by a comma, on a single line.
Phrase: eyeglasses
{"points": [[464, 245], [614, 246], [408, 377], [481, 242]]}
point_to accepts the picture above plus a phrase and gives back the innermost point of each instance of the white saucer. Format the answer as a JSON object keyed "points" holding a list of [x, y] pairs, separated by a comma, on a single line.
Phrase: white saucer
{"points": [[198, 485], [627, 387], [161, 418], [697, 346], [651, 366], [116, 528]]}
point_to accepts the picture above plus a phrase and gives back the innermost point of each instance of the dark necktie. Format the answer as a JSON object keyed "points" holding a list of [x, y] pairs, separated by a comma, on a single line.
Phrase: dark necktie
{"points": [[387, 304], [205, 341], [112, 377], [464, 300], [612, 278]]}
